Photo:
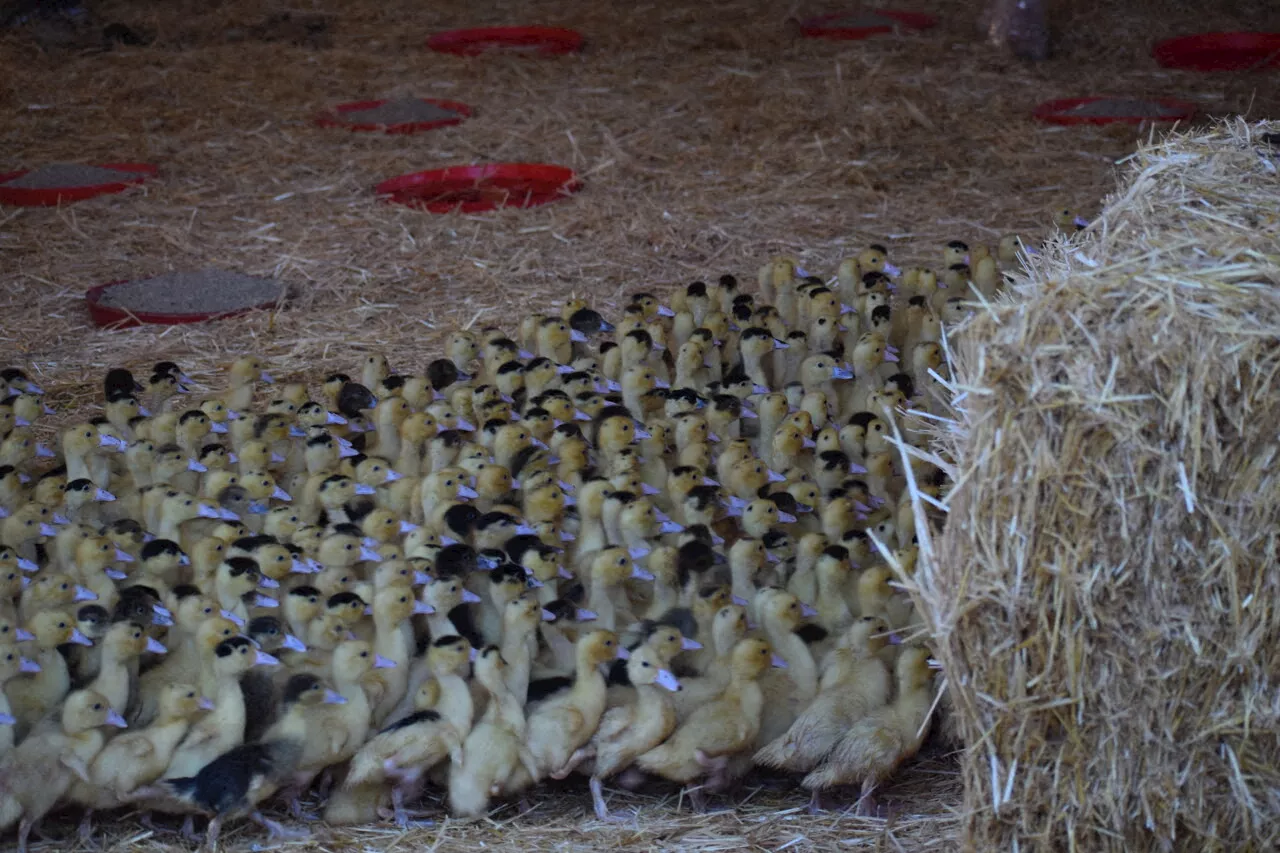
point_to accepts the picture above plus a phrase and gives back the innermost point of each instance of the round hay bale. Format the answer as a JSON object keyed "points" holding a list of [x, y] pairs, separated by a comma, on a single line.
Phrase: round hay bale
{"points": [[1103, 591]]}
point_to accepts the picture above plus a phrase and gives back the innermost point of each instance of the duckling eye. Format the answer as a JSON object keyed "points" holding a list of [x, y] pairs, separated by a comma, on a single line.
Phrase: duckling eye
{"points": [[62, 625], [349, 547], [448, 482], [97, 706], [65, 587], [645, 664], [364, 654], [191, 695], [137, 636], [187, 503]]}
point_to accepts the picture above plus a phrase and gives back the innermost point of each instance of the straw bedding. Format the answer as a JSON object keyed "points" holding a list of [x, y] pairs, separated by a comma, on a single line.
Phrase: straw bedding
{"points": [[708, 138], [1103, 588]]}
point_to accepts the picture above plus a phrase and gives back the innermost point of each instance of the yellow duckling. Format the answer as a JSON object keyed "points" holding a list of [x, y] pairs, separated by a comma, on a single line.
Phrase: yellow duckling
{"points": [[42, 769], [495, 760], [719, 729], [401, 754], [874, 746], [855, 682]]}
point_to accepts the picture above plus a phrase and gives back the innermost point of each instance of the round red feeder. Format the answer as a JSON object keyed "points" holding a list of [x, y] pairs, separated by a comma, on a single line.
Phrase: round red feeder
{"points": [[119, 318], [135, 173], [826, 26], [1242, 51], [1060, 111], [471, 189], [541, 40], [334, 117]]}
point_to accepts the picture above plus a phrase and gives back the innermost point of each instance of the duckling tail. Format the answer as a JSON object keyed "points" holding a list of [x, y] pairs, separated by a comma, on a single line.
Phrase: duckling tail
{"points": [[468, 795]]}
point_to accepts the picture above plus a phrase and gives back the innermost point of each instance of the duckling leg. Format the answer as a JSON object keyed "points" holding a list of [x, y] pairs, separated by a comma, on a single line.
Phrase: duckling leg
{"points": [[188, 830], [211, 832], [278, 830], [85, 830], [24, 830], [815, 803], [867, 806], [577, 758], [597, 799], [401, 815], [697, 799]]}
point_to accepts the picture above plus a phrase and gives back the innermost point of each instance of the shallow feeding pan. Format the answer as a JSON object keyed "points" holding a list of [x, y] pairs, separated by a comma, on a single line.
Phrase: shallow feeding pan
{"points": [[402, 115], [181, 297], [472, 189], [1240, 51], [1110, 110], [847, 26], [544, 41], [63, 183]]}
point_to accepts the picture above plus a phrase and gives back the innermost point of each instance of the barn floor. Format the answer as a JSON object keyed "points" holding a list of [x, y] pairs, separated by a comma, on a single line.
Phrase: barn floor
{"points": [[709, 138]]}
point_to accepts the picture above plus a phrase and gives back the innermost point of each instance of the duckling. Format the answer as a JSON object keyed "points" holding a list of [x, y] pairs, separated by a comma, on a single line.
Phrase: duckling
{"points": [[334, 734], [117, 678], [12, 664], [392, 609], [34, 695], [403, 752], [224, 727], [558, 728], [629, 730], [495, 760], [876, 744], [42, 768], [236, 782], [138, 757], [717, 730], [855, 682]]}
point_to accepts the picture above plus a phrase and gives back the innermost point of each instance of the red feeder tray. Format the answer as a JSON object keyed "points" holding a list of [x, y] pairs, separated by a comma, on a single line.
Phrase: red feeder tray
{"points": [[542, 40], [824, 28], [119, 318], [1059, 112], [48, 197], [1242, 51], [334, 117], [471, 189]]}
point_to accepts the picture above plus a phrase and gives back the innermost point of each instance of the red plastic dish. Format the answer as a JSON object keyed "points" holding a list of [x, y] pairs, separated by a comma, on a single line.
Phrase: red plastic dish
{"points": [[1242, 51], [541, 40], [1059, 112], [471, 189], [818, 28], [33, 197], [118, 318], [333, 117]]}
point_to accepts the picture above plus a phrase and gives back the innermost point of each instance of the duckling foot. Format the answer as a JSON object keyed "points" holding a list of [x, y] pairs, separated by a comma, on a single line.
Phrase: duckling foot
{"points": [[296, 810], [278, 830], [815, 804]]}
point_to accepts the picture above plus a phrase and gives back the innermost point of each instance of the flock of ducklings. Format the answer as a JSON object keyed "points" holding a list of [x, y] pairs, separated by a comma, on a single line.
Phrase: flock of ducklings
{"points": [[655, 549]]}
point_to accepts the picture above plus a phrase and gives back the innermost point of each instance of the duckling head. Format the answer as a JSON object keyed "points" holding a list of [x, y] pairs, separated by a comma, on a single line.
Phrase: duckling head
{"points": [[597, 647], [750, 659], [85, 710], [247, 371], [611, 567]]}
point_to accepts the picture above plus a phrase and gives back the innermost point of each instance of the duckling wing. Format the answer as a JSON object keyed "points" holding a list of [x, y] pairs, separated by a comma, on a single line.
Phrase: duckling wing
{"points": [[614, 722]]}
